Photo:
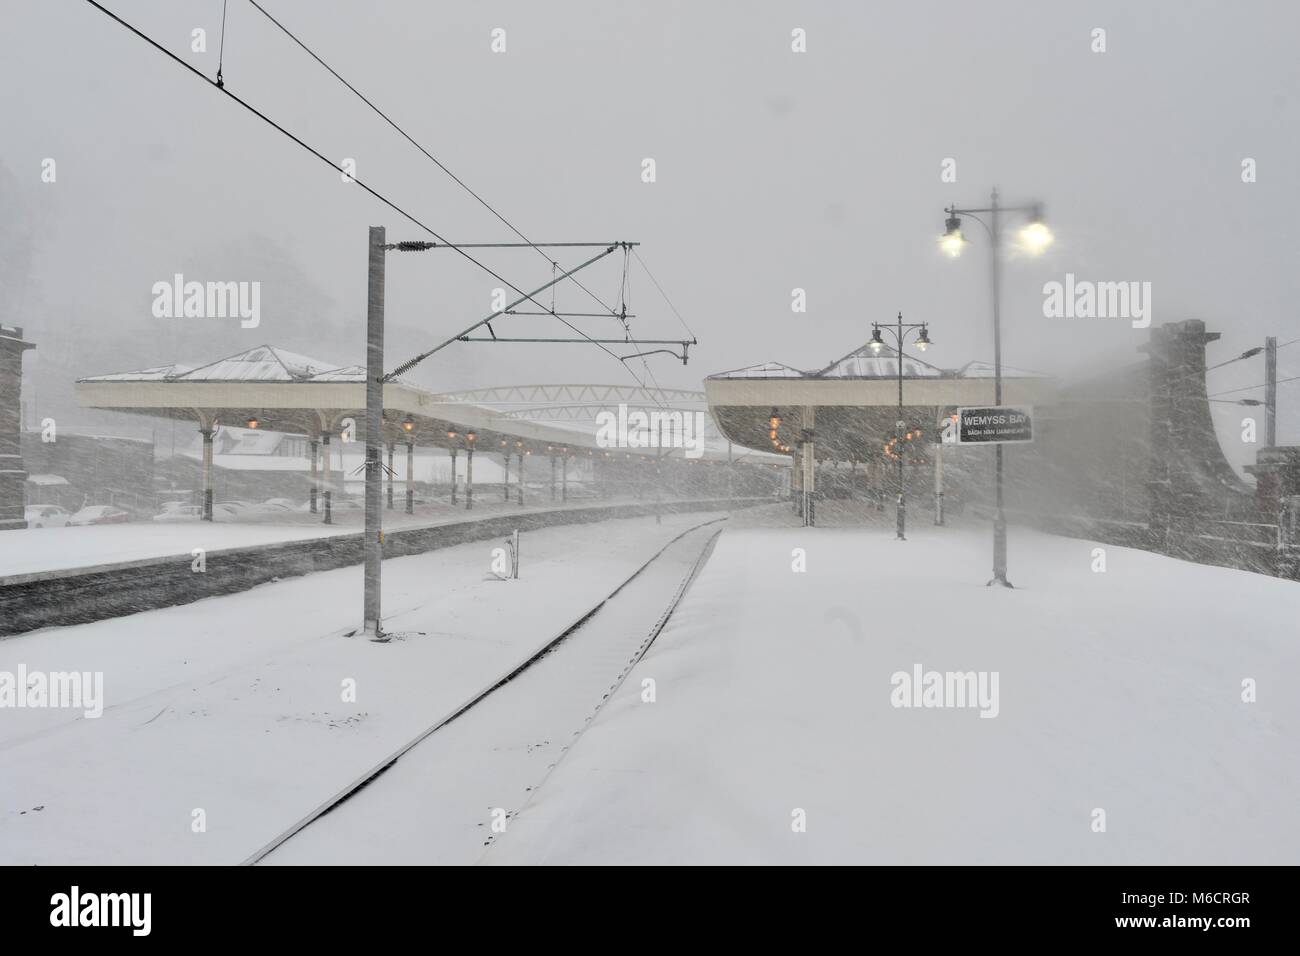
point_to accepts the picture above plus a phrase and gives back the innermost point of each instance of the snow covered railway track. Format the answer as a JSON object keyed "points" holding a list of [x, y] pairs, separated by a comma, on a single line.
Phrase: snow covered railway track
{"points": [[620, 613]]}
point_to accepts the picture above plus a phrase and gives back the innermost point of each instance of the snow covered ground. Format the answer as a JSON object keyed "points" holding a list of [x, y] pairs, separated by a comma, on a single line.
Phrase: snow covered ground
{"points": [[1118, 691], [234, 706], [776, 733], [449, 790]]}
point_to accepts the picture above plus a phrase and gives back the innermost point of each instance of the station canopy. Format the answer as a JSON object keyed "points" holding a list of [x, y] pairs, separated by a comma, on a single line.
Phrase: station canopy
{"points": [[280, 390], [851, 405]]}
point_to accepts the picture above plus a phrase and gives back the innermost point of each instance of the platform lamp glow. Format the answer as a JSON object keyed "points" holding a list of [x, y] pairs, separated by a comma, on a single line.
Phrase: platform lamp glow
{"points": [[1034, 238]]}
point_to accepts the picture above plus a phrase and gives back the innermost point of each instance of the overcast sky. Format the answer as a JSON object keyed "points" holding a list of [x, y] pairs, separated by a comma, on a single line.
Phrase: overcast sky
{"points": [[775, 170]]}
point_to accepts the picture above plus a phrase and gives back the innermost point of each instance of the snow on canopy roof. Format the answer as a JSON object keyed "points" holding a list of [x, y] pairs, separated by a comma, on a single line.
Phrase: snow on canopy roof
{"points": [[265, 363], [765, 370], [158, 373], [349, 373], [864, 363]]}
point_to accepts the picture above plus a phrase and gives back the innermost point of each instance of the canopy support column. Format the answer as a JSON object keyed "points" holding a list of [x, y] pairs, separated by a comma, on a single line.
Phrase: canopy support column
{"points": [[314, 490], [938, 483], [207, 473], [325, 475], [410, 477], [391, 475], [469, 478], [453, 476]]}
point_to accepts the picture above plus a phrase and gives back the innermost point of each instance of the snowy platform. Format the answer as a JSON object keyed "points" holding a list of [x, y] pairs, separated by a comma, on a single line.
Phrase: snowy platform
{"points": [[1118, 691], [235, 706]]}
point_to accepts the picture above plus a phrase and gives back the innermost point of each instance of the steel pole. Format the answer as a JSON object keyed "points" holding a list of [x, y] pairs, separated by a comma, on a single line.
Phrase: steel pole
{"points": [[1270, 392], [899, 425], [374, 534], [999, 516]]}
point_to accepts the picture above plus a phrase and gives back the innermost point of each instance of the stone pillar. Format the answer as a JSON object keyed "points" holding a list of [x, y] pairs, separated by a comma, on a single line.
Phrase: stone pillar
{"points": [[521, 478], [12, 473], [1180, 430]]}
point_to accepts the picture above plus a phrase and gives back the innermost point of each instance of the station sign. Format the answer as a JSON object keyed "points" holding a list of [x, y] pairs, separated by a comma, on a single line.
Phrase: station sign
{"points": [[989, 425]]}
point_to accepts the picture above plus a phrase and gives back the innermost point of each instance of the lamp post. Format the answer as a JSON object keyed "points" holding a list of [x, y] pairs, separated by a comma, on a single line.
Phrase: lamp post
{"points": [[900, 333], [1034, 238]]}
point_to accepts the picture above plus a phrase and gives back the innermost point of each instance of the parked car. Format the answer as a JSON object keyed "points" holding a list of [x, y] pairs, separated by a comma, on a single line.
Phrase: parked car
{"points": [[46, 516], [280, 504], [179, 511], [99, 514]]}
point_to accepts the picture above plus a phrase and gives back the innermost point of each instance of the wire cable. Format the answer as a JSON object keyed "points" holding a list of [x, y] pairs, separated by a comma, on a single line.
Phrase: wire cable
{"points": [[221, 54], [410, 139], [1247, 388], [486, 205], [460, 182], [315, 152], [662, 292]]}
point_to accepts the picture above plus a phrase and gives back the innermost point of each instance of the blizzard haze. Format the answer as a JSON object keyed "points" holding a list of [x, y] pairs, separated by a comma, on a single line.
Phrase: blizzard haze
{"points": [[775, 171]]}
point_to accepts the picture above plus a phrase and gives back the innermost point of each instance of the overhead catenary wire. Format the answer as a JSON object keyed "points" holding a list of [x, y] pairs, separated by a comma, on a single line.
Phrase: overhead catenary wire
{"points": [[410, 139], [319, 155], [555, 266], [460, 182], [1247, 388], [662, 292]]}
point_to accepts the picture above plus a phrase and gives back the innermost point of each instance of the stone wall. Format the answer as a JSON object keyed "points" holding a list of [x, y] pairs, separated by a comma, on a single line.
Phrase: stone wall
{"points": [[12, 473]]}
